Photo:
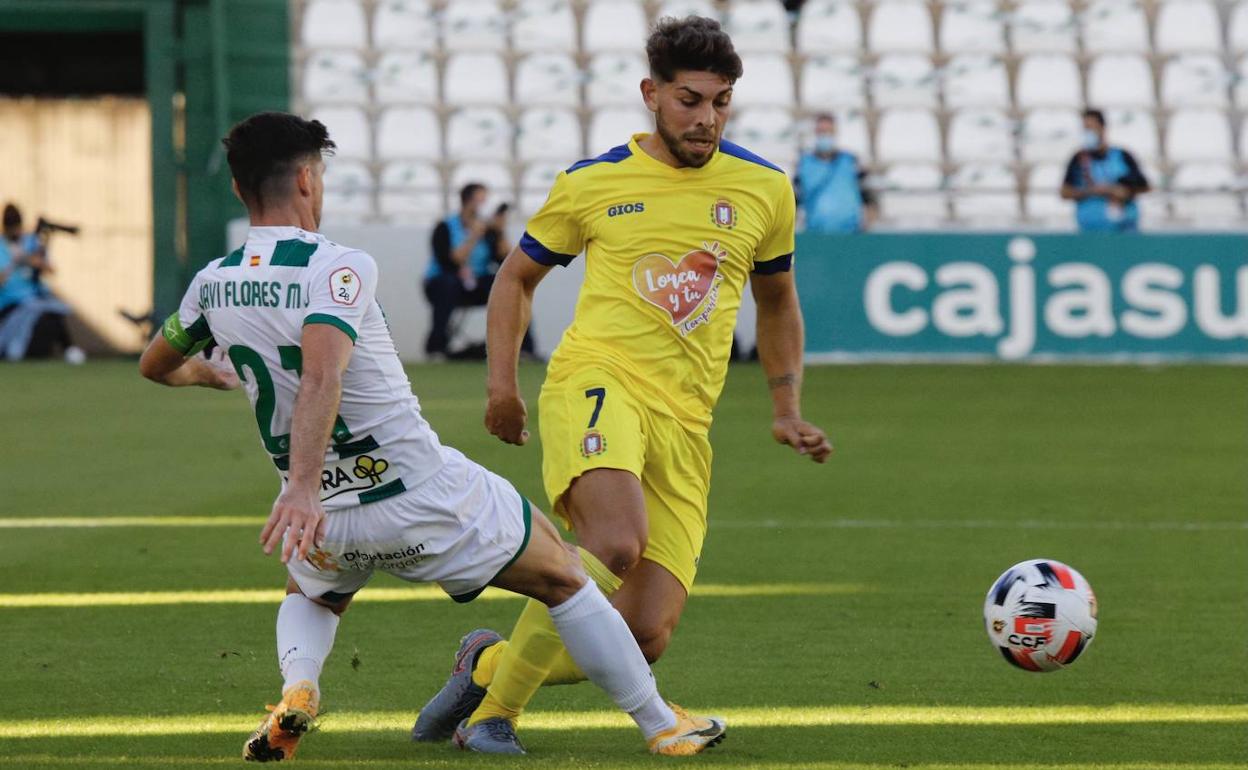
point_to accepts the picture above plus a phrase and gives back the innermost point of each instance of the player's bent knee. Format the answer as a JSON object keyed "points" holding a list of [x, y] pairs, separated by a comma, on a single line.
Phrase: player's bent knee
{"points": [[619, 554], [653, 641]]}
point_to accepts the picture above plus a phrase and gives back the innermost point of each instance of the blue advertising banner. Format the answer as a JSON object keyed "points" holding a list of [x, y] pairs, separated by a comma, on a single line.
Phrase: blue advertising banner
{"points": [[1024, 297]]}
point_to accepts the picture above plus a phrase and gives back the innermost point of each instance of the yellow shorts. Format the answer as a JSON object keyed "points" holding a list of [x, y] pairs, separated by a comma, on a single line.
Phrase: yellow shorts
{"points": [[589, 420]]}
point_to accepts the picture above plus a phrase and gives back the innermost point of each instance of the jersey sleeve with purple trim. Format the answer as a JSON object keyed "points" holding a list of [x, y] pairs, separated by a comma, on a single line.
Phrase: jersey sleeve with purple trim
{"points": [[342, 291], [554, 236]]}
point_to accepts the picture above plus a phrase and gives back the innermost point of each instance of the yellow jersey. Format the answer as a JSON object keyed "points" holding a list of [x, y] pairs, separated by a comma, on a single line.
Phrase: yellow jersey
{"points": [[668, 252]]}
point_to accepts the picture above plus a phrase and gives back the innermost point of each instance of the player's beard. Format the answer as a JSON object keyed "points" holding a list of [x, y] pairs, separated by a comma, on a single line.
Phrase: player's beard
{"points": [[676, 144]]}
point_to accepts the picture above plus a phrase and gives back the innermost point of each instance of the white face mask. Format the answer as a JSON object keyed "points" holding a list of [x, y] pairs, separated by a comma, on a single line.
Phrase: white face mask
{"points": [[825, 144], [1091, 139]]}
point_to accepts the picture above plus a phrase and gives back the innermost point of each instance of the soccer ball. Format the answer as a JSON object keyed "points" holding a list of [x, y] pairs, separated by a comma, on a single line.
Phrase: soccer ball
{"points": [[1041, 615]]}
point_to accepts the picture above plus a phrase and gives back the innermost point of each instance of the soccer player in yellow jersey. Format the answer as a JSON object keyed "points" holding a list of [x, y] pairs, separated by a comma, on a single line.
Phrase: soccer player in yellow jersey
{"points": [[673, 225]]}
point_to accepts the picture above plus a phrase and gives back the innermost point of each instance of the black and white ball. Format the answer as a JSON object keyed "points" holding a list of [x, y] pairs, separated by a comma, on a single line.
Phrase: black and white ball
{"points": [[1041, 615]]}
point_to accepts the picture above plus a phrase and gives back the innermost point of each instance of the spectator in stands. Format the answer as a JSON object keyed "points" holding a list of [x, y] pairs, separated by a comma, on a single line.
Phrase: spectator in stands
{"points": [[32, 320], [829, 185], [467, 249], [1103, 181]]}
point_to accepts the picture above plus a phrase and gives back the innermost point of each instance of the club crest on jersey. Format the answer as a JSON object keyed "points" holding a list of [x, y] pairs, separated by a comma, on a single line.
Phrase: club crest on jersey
{"points": [[724, 214], [687, 290], [592, 444], [344, 286]]}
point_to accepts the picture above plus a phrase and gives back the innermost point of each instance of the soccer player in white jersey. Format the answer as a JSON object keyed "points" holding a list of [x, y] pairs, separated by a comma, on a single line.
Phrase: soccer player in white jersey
{"points": [[365, 483]]}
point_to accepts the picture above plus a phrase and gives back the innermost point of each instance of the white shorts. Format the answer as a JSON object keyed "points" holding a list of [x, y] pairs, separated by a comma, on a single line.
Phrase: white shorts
{"points": [[459, 529]]}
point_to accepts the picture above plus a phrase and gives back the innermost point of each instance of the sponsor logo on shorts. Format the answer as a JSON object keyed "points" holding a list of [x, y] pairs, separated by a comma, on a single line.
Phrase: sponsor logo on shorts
{"points": [[593, 444], [406, 556], [323, 560]]}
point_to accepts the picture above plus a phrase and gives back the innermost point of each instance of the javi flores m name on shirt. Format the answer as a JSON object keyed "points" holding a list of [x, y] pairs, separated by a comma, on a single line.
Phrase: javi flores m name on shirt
{"points": [[217, 294]]}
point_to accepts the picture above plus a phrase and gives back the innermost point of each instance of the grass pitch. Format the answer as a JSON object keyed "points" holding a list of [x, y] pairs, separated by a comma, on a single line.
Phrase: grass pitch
{"points": [[837, 621]]}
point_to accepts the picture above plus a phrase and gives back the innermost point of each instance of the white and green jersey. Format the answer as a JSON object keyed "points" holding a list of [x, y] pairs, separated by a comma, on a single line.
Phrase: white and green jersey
{"points": [[254, 304]]}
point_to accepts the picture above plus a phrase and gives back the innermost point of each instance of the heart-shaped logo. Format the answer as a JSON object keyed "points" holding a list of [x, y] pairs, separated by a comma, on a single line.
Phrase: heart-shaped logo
{"points": [[677, 288]]}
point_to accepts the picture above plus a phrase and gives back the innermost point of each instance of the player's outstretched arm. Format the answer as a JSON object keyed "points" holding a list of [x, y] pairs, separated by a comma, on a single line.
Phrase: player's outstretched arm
{"points": [[163, 363], [510, 308], [780, 344]]}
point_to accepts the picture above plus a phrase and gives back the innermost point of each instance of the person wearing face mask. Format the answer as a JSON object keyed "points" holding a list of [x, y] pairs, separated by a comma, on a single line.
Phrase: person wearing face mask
{"points": [[829, 185], [1103, 181]]}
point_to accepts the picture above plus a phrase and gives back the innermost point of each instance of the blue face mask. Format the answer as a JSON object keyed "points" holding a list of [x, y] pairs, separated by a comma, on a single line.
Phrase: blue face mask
{"points": [[825, 144], [1091, 139]]}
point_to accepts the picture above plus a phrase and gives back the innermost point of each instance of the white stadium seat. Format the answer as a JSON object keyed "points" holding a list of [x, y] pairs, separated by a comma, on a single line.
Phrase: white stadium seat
{"points": [[832, 82], [900, 25], [410, 191], [852, 134], [1047, 134], [912, 194], [335, 76], [981, 135], [1120, 80], [348, 191], [535, 184], [495, 176], [478, 133], [615, 78], [758, 26], [1135, 130], [1048, 80], [1241, 87], [473, 25], [1113, 26], [1189, 25], [1237, 28], [1043, 26], [544, 26], [768, 80], [1194, 80], [985, 194], [907, 134], [409, 133], [903, 80], [475, 78], [976, 80], [971, 27], [334, 23], [548, 134], [406, 77], [1198, 135], [828, 26], [1044, 200], [613, 126], [1207, 194], [679, 9], [614, 25], [768, 133], [348, 127], [548, 79], [405, 24]]}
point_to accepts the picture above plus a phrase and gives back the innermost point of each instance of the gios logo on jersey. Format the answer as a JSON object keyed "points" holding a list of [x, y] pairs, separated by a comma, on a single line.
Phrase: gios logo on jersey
{"points": [[687, 290]]}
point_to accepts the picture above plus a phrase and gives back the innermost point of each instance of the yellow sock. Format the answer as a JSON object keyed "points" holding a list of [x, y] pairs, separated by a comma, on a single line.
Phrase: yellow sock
{"points": [[535, 652]]}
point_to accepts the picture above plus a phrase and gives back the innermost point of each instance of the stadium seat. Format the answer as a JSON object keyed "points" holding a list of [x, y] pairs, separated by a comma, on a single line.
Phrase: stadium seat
{"points": [[549, 134], [908, 135], [971, 27], [1135, 130], [1188, 26], [473, 25], [480, 133], [535, 185], [406, 77], [1207, 194], [1049, 134], [1048, 80], [335, 76], [912, 195], [1120, 80], [544, 26], [334, 23], [348, 127], [853, 134], [348, 190], [405, 24], [614, 79], [832, 82], [613, 126], [768, 133], [410, 191], [1198, 135], [408, 133], [1194, 80], [981, 135], [903, 80], [496, 176], [679, 9], [1043, 26], [1237, 28], [548, 79], [1044, 200], [900, 25], [758, 26], [828, 25], [614, 25], [475, 78], [985, 194], [1241, 86], [1111, 26], [976, 80], [768, 80]]}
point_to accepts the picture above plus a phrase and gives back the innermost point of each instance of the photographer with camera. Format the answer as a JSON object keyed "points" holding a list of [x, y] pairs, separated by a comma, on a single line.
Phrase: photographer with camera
{"points": [[467, 250], [32, 319]]}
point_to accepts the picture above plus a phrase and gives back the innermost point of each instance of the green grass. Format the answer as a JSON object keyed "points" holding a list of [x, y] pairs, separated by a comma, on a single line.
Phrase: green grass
{"points": [[843, 629]]}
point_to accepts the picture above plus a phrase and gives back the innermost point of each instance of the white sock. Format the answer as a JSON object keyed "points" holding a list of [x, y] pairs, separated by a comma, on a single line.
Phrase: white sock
{"points": [[305, 635], [599, 641]]}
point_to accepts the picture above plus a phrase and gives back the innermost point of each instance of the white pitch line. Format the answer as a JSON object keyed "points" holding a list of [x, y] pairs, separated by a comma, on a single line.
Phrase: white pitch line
{"points": [[89, 522]]}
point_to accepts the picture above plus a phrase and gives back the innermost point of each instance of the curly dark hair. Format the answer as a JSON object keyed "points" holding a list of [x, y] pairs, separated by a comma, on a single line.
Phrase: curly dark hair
{"points": [[265, 149], [692, 43]]}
